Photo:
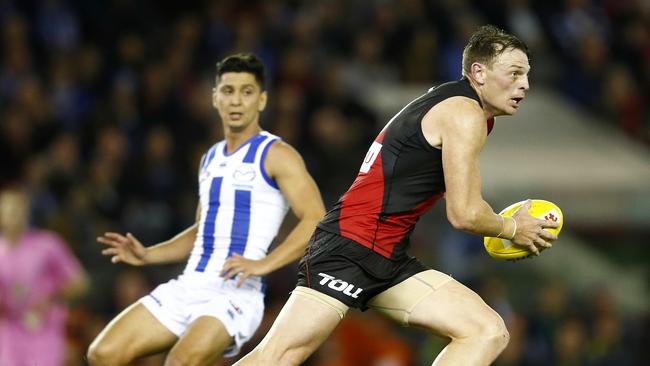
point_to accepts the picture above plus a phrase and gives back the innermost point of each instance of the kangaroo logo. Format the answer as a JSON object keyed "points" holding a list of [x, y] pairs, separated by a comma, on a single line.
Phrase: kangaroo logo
{"points": [[339, 285]]}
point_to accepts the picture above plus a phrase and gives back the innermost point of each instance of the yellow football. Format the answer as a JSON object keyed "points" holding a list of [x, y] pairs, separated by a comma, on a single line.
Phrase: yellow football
{"points": [[504, 249]]}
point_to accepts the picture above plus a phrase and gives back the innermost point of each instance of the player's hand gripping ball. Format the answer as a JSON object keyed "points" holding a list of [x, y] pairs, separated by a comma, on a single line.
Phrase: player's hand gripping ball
{"points": [[504, 249]]}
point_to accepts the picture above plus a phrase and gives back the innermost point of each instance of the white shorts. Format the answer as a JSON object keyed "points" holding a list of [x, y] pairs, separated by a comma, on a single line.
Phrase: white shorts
{"points": [[177, 303]]}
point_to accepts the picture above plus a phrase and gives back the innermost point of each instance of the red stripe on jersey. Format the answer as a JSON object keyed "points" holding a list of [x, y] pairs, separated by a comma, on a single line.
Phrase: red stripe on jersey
{"points": [[362, 203], [361, 206], [490, 125], [380, 137], [391, 231]]}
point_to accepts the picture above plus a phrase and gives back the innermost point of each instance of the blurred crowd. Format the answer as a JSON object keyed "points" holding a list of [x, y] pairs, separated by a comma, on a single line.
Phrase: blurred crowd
{"points": [[105, 111]]}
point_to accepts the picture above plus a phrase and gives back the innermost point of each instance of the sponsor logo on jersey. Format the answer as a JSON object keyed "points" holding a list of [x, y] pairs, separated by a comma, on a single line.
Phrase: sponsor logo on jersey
{"points": [[335, 284], [244, 173]]}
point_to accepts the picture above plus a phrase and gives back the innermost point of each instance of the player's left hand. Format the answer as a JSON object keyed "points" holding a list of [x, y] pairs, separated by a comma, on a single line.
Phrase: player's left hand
{"points": [[237, 264]]}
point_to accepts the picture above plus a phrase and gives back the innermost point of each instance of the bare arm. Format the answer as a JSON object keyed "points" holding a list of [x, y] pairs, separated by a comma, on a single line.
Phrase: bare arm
{"points": [[286, 166], [128, 249], [462, 130], [176, 249], [288, 169]]}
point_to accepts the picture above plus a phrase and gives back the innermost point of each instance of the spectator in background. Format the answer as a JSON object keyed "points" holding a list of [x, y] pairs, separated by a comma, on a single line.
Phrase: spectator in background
{"points": [[583, 81], [578, 20], [419, 63], [38, 276], [622, 101]]}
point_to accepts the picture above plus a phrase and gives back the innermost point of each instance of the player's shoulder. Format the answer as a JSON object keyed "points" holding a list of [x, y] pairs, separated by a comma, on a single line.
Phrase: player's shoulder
{"points": [[43, 234], [280, 149], [462, 105], [46, 238], [282, 157], [458, 110]]}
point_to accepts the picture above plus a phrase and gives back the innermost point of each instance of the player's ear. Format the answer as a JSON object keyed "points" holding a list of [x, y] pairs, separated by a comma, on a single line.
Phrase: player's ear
{"points": [[478, 72], [262, 103], [214, 97]]}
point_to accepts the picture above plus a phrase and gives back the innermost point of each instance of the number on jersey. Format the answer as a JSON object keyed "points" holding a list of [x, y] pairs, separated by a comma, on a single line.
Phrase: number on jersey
{"points": [[372, 154]]}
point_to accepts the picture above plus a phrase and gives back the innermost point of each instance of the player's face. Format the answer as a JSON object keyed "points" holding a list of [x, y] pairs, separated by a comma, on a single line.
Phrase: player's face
{"points": [[506, 82], [239, 99]]}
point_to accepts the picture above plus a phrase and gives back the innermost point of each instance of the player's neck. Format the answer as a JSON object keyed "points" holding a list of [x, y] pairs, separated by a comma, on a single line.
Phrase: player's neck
{"points": [[235, 137], [487, 109]]}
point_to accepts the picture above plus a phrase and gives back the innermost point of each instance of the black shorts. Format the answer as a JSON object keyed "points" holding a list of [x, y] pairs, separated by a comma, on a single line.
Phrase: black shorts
{"points": [[349, 272]]}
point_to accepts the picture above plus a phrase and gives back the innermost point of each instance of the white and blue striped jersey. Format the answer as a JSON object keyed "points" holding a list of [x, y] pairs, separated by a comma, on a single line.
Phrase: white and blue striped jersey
{"points": [[242, 208]]}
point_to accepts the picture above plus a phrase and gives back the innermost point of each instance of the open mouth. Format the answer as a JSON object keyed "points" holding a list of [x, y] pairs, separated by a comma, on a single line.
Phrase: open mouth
{"points": [[516, 101]]}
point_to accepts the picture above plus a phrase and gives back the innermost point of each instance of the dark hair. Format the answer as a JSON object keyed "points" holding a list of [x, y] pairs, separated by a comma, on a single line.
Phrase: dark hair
{"points": [[486, 44], [243, 62]]}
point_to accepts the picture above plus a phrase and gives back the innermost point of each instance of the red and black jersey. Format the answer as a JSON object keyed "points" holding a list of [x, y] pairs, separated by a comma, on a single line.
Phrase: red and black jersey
{"points": [[400, 179]]}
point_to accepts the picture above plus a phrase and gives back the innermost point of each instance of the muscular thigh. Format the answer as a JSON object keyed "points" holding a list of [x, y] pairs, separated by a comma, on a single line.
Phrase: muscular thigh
{"points": [[202, 344], [304, 323], [435, 301], [454, 311], [399, 301], [135, 332]]}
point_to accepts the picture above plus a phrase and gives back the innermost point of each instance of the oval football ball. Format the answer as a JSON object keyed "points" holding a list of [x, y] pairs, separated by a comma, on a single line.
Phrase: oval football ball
{"points": [[504, 249]]}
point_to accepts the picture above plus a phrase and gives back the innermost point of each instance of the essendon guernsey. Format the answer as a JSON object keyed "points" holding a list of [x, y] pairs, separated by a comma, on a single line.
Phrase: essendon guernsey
{"points": [[400, 178]]}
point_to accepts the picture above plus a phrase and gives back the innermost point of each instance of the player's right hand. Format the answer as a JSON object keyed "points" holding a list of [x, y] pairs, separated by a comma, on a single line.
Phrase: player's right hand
{"points": [[530, 230], [122, 248]]}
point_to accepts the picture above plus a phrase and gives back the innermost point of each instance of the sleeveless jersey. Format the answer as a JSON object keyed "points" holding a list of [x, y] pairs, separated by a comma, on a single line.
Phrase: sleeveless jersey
{"points": [[242, 208], [399, 180]]}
